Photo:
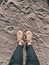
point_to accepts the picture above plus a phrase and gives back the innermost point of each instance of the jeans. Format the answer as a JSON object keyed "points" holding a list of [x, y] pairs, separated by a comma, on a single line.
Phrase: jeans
{"points": [[17, 57]]}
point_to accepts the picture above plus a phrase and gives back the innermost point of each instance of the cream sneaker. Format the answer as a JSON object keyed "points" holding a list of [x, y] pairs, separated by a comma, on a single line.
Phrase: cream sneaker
{"points": [[28, 37], [20, 37]]}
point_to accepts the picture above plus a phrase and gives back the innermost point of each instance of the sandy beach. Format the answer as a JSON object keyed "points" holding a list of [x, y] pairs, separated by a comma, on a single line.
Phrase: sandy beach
{"points": [[24, 15]]}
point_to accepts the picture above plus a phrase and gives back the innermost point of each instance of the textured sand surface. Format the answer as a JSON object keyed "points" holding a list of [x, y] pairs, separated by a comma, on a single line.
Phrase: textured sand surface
{"points": [[24, 15]]}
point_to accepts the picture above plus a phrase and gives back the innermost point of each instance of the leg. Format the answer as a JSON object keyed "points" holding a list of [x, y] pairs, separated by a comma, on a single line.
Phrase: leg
{"points": [[17, 57], [31, 58], [1, 1]]}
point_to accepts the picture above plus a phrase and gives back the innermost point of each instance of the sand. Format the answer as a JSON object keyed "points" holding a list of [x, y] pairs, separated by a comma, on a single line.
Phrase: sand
{"points": [[24, 15]]}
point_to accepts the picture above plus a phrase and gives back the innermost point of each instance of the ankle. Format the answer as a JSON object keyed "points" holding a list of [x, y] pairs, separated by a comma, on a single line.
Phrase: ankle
{"points": [[20, 43], [29, 43]]}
